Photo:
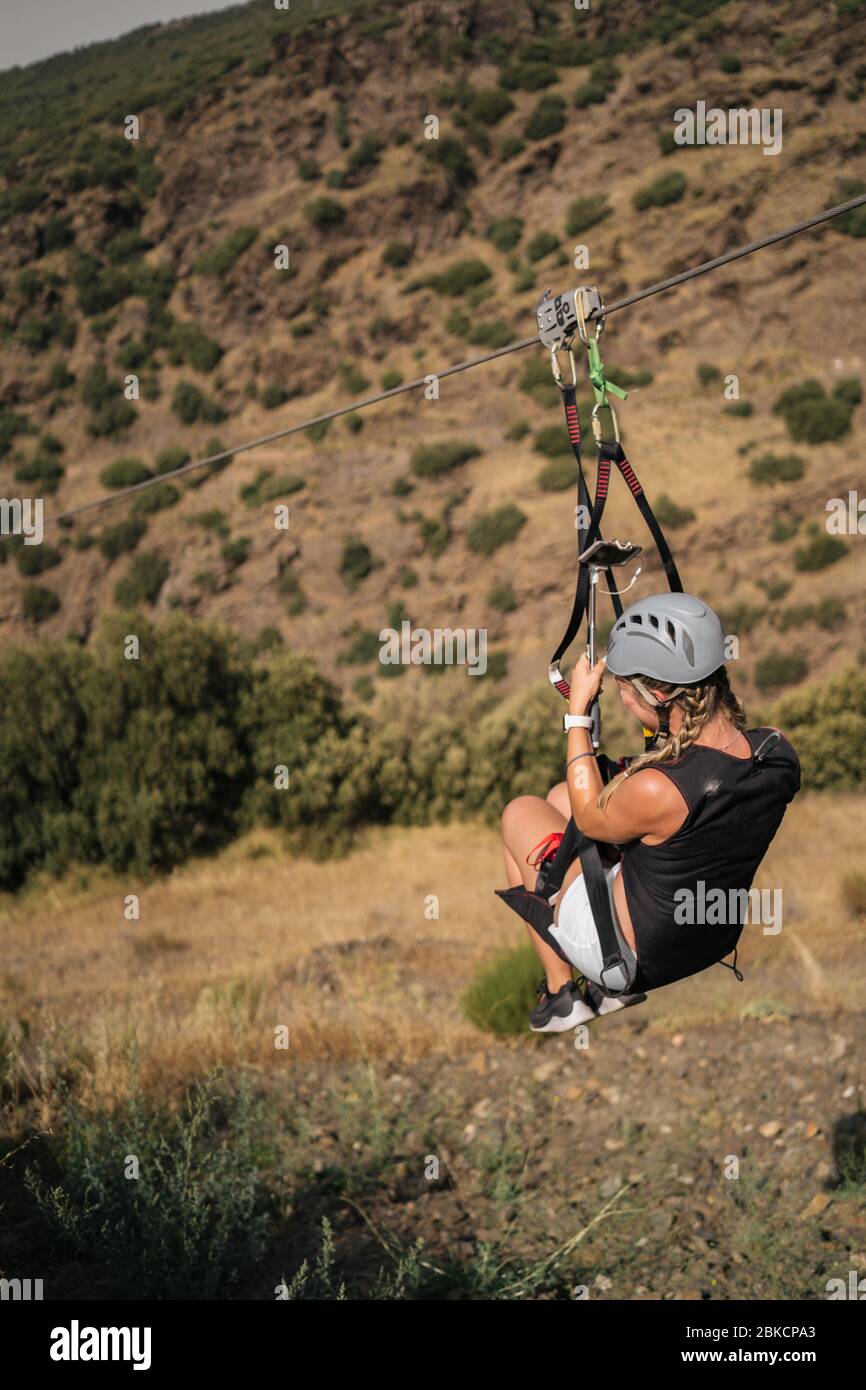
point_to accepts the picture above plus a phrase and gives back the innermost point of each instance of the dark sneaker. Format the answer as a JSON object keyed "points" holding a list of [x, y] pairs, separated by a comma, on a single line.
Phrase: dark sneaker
{"points": [[604, 1005], [557, 1013]]}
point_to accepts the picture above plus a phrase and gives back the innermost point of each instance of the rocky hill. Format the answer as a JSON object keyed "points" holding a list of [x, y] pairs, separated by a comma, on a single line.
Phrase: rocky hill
{"points": [[158, 259]]}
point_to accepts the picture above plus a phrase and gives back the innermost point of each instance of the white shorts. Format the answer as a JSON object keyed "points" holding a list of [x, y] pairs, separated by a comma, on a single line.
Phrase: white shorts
{"points": [[575, 930]]}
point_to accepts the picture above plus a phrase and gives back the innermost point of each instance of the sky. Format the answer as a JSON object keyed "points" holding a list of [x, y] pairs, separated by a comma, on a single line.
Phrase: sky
{"points": [[34, 29]]}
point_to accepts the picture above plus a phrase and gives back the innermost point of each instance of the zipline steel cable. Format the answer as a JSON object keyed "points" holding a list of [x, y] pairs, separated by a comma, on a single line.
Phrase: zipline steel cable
{"points": [[624, 303]]}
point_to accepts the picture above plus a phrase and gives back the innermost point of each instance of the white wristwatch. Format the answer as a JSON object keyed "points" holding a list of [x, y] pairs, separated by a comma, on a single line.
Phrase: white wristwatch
{"points": [[576, 721]]}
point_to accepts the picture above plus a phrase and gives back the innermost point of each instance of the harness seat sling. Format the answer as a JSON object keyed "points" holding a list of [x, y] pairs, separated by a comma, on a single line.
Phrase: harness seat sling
{"points": [[534, 906]]}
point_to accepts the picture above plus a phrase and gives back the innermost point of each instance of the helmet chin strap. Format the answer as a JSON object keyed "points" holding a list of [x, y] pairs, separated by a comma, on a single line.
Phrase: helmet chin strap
{"points": [[661, 706]]}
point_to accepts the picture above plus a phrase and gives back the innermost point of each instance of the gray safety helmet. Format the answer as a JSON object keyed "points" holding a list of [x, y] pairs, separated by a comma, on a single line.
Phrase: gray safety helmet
{"points": [[675, 638]]}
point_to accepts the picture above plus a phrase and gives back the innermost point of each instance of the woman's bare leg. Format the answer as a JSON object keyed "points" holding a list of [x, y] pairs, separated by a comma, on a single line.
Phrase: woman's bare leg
{"points": [[525, 822]]}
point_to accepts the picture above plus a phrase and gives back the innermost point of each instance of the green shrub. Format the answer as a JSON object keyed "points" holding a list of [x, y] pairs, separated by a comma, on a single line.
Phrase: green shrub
{"points": [[784, 528], [820, 551], [325, 213], [56, 233], [363, 649], [536, 380], [552, 441], [432, 460], [666, 189], [493, 334], [461, 277], [289, 586], [729, 62], [541, 245], [220, 258], [559, 474], [503, 993], [591, 93], [531, 77], [828, 614], [114, 416], [308, 169], [502, 597], [59, 376], [851, 223], [47, 472], [391, 379], [451, 155], [38, 604], [156, 499], [775, 468], [397, 254], [518, 430], [775, 588], [827, 726], [190, 404], [213, 520], [707, 374], [365, 155], [849, 390], [813, 417], [739, 408], [356, 562], [741, 618], [496, 528], [189, 343], [777, 669], [352, 379], [274, 396], [170, 459], [121, 538], [547, 119], [489, 105], [401, 487], [506, 233], [510, 147], [195, 1221], [36, 559], [124, 473], [268, 487], [143, 580], [670, 513], [586, 212], [235, 552]]}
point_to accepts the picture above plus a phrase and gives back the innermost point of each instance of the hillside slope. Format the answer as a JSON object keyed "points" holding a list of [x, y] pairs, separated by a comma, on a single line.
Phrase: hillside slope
{"points": [[307, 130]]}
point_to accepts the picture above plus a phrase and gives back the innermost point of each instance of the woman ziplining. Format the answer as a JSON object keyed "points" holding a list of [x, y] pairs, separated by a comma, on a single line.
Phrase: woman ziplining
{"points": [[689, 820], [613, 877]]}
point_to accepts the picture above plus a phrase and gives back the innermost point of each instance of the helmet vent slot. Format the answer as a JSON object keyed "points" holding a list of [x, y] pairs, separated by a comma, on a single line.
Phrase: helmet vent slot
{"points": [[672, 632], [653, 619], [637, 619]]}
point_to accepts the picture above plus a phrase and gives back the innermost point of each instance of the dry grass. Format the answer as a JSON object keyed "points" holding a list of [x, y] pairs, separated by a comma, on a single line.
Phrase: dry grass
{"points": [[228, 950]]}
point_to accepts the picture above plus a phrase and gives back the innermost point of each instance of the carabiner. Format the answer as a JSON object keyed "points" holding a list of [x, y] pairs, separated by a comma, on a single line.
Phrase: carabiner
{"points": [[587, 300], [557, 370], [597, 424]]}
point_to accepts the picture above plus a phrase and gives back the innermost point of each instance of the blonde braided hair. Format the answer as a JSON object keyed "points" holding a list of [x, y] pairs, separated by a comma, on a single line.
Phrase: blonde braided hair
{"points": [[698, 705]]}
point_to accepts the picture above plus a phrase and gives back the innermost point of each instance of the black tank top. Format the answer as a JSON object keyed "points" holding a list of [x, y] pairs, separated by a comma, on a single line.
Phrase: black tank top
{"points": [[735, 806]]}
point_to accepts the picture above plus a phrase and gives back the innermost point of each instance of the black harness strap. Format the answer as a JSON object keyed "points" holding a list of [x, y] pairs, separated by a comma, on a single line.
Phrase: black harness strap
{"points": [[586, 534], [608, 453]]}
